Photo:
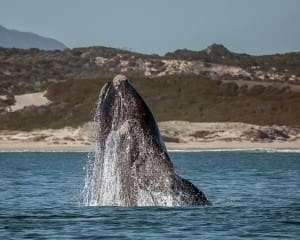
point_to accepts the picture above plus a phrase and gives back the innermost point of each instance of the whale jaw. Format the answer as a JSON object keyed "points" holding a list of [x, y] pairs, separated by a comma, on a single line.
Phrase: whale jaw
{"points": [[131, 165]]}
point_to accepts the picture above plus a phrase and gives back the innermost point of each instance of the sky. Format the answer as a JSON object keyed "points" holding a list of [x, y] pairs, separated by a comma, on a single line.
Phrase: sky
{"points": [[159, 26]]}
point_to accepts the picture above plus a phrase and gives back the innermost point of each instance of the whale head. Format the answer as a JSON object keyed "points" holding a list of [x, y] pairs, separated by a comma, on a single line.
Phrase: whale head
{"points": [[121, 106], [131, 164]]}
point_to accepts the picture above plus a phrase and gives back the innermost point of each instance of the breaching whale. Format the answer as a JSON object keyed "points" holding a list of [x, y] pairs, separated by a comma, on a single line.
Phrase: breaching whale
{"points": [[131, 166]]}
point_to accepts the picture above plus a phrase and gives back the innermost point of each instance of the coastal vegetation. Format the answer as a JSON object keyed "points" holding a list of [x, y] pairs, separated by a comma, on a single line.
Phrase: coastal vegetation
{"points": [[189, 98], [31, 70]]}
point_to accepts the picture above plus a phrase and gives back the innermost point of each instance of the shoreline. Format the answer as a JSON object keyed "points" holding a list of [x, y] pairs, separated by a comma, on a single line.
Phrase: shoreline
{"points": [[169, 151], [177, 135], [171, 147]]}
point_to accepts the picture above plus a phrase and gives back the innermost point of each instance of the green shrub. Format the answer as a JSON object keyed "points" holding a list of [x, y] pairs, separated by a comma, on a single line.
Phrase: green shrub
{"points": [[190, 98]]}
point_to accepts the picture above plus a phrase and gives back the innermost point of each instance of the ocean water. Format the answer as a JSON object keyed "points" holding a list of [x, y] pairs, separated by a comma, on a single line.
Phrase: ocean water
{"points": [[255, 195]]}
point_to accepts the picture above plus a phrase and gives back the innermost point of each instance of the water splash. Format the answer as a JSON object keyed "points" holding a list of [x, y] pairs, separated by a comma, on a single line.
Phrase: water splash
{"points": [[104, 169], [130, 165], [104, 173]]}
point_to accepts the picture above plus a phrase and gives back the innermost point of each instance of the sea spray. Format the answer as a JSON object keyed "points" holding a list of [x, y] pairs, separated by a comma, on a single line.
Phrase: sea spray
{"points": [[130, 165]]}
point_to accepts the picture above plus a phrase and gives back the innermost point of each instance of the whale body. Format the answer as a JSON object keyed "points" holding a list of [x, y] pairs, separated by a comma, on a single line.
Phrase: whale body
{"points": [[131, 166]]}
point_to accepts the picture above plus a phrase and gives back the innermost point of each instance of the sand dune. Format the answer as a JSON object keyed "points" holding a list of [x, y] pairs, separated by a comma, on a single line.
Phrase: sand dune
{"points": [[29, 99], [177, 134]]}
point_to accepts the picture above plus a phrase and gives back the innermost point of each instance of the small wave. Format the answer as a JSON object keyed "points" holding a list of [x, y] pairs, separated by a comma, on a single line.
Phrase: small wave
{"points": [[236, 150], [42, 151], [269, 150]]}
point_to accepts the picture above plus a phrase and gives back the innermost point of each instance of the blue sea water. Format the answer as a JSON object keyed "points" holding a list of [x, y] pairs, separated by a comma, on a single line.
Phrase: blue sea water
{"points": [[255, 195]]}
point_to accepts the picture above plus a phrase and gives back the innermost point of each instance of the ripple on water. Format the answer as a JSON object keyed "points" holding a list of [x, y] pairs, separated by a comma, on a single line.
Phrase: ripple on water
{"points": [[255, 195]]}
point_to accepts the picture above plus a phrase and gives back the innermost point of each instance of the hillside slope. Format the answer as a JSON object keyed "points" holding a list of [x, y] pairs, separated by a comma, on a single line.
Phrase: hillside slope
{"points": [[217, 53], [31, 70], [25, 40], [188, 98]]}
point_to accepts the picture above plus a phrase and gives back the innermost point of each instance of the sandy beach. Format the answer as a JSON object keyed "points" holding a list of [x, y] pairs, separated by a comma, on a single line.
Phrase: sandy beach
{"points": [[178, 135], [214, 146]]}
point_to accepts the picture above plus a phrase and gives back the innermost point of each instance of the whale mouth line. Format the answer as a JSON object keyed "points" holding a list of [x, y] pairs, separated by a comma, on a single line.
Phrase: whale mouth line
{"points": [[130, 165]]}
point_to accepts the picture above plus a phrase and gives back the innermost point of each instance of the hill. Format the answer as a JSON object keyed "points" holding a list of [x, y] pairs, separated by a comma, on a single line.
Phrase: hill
{"points": [[25, 40], [188, 98], [32, 70], [212, 85], [217, 53]]}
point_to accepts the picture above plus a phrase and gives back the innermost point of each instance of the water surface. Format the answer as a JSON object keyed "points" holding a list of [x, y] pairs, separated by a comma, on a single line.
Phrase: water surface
{"points": [[255, 195]]}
